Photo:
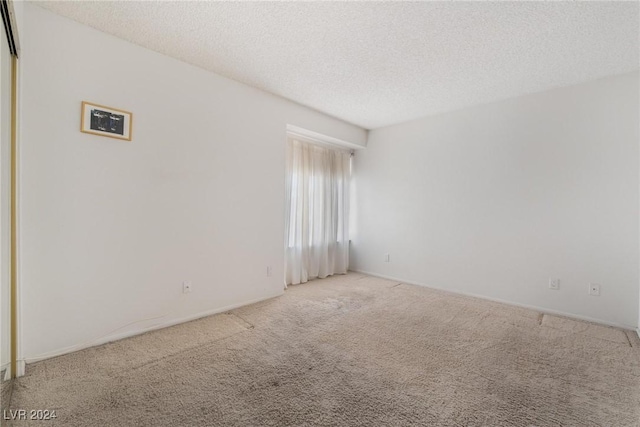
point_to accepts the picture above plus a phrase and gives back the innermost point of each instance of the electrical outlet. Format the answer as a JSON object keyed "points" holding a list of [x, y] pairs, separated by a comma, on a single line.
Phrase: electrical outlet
{"points": [[186, 287], [594, 289], [268, 271], [554, 284], [387, 258]]}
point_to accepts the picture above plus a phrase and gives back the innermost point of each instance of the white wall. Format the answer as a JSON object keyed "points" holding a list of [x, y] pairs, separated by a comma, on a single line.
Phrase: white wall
{"points": [[496, 199], [110, 229]]}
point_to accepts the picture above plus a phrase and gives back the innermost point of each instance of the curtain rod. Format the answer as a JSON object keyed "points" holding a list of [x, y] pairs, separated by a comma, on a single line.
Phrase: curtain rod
{"points": [[306, 138]]}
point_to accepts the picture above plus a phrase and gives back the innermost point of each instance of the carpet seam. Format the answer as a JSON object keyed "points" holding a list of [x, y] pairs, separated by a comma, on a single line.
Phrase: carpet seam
{"points": [[251, 325], [180, 352], [581, 333], [628, 340]]}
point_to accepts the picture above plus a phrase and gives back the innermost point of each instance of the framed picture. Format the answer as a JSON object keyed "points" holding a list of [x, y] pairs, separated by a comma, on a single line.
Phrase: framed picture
{"points": [[106, 121]]}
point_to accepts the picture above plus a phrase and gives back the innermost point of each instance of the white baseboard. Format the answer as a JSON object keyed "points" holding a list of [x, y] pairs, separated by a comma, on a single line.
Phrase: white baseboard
{"points": [[118, 336], [638, 332], [517, 304]]}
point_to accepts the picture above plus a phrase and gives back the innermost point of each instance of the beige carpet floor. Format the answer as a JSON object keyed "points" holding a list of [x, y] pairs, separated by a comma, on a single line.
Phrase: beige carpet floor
{"points": [[350, 350], [5, 394]]}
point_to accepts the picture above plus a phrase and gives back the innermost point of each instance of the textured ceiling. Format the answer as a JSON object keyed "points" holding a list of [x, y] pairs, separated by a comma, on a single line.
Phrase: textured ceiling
{"points": [[375, 64]]}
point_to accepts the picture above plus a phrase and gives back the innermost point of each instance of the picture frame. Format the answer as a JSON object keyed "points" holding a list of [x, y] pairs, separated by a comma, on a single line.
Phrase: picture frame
{"points": [[106, 121]]}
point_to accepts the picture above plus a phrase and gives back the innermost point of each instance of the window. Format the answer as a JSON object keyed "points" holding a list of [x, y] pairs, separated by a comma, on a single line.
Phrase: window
{"points": [[317, 229]]}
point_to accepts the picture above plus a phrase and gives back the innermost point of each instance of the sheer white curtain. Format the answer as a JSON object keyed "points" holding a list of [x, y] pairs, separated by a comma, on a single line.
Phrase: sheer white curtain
{"points": [[317, 220]]}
